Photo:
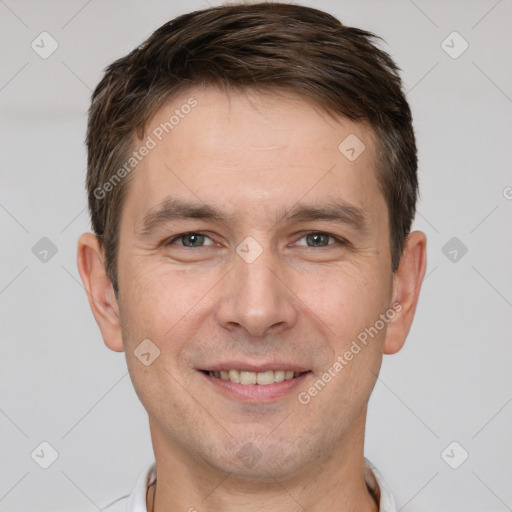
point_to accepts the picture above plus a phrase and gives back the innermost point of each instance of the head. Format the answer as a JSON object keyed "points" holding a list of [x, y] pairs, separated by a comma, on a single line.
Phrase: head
{"points": [[252, 180]]}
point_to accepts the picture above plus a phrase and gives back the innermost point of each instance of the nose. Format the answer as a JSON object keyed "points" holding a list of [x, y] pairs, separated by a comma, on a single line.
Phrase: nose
{"points": [[256, 297]]}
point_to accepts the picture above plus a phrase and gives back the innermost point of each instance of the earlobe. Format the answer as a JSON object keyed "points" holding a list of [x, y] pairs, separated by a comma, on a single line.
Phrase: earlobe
{"points": [[100, 293], [406, 289]]}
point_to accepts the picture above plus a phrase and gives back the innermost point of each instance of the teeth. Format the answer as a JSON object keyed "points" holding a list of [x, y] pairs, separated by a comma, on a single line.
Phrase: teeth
{"points": [[234, 376], [251, 378], [265, 378], [247, 378], [279, 375]]}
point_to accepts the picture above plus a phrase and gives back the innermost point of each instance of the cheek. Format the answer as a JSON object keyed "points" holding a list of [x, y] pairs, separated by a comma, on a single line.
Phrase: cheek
{"points": [[347, 300], [361, 299], [169, 307], [158, 297], [351, 305]]}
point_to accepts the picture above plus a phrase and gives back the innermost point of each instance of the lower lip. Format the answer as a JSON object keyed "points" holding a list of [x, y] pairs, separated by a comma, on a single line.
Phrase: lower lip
{"points": [[255, 393]]}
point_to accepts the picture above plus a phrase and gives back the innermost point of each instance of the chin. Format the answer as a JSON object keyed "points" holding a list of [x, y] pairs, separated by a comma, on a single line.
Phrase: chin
{"points": [[262, 460]]}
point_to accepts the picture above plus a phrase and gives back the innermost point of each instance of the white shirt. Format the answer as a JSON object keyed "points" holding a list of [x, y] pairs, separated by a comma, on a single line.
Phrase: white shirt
{"points": [[136, 501]]}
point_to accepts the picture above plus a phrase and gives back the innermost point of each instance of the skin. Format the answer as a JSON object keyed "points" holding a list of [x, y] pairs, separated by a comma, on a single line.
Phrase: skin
{"points": [[254, 155]]}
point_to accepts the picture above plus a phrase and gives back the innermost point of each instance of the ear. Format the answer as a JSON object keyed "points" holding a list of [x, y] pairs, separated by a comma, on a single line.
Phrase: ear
{"points": [[406, 290], [100, 292]]}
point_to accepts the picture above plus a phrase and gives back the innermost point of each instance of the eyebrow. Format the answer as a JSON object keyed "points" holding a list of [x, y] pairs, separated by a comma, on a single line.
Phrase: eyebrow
{"points": [[172, 210], [339, 212]]}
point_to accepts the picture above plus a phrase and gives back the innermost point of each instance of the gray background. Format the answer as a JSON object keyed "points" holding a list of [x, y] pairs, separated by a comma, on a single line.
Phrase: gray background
{"points": [[451, 382]]}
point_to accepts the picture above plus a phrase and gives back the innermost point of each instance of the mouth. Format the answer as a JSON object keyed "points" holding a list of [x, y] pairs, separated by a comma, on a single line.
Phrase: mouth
{"points": [[247, 378], [247, 384]]}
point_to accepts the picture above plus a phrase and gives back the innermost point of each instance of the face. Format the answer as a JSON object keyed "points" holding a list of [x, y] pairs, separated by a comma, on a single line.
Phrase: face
{"points": [[252, 249]]}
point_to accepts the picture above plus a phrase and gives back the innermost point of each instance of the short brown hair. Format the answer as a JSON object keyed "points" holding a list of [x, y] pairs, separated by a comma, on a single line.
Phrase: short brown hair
{"points": [[261, 46]]}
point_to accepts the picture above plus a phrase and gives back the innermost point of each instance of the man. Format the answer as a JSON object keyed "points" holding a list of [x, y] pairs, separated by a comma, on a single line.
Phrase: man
{"points": [[252, 183]]}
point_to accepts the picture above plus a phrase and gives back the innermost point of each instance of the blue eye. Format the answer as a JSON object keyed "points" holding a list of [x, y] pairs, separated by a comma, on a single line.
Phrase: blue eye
{"points": [[318, 239], [191, 240], [313, 239]]}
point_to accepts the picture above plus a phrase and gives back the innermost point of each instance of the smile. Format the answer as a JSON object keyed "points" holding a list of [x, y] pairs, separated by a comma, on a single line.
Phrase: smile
{"points": [[256, 387], [251, 378]]}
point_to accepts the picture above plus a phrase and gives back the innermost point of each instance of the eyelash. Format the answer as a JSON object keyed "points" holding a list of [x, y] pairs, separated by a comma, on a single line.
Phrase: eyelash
{"points": [[338, 240]]}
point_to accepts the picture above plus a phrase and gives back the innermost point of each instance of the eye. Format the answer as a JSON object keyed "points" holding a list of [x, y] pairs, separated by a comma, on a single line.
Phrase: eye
{"points": [[191, 239], [312, 239], [319, 239]]}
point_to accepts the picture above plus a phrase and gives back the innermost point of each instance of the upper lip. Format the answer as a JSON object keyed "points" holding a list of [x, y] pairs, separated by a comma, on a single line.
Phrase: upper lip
{"points": [[255, 367]]}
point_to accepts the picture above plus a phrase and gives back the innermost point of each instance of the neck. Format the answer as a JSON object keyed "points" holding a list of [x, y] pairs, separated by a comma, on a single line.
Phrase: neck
{"points": [[335, 482]]}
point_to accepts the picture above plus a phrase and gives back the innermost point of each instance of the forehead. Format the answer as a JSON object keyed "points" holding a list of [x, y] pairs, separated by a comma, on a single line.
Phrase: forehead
{"points": [[253, 152]]}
